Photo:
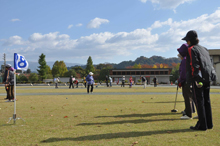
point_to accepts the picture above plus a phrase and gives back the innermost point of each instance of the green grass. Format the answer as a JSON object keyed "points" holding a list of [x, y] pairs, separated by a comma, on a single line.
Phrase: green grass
{"points": [[102, 120]]}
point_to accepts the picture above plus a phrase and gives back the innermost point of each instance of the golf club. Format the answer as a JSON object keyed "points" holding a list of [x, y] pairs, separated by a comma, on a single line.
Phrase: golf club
{"points": [[175, 110]]}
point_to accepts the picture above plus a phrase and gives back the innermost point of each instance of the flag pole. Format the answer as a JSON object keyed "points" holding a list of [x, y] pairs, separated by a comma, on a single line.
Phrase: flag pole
{"points": [[14, 115]]}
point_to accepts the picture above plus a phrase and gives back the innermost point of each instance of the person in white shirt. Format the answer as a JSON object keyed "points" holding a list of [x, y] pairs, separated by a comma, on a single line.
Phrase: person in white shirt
{"points": [[56, 82], [110, 79]]}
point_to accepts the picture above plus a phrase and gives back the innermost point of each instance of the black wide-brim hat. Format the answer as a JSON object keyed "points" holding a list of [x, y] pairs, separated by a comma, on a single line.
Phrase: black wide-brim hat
{"points": [[191, 35]]}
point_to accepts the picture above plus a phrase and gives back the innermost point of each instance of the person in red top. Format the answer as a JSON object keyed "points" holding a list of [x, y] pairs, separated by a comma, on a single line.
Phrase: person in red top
{"points": [[199, 73], [131, 81], [76, 82]]}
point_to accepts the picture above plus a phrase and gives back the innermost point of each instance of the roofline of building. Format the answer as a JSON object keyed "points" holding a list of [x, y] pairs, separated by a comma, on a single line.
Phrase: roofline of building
{"points": [[216, 62], [214, 52]]}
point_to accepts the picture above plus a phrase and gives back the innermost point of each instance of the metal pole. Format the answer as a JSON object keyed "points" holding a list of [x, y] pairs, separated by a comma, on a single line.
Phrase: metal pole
{"points": [[14, 116]]}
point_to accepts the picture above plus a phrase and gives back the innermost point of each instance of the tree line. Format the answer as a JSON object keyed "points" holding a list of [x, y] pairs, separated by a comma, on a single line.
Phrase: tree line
{"points": [[100, 71], [60, 69]]}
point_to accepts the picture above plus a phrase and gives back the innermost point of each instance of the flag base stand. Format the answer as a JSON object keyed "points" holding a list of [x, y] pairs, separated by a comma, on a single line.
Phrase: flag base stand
{"points": [[14, 118]]}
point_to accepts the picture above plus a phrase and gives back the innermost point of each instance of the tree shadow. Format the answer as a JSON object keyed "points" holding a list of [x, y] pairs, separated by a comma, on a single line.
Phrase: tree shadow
{"points": [[7, 125], [168, 102], [126, 121], [115, 135], [137, 115]]}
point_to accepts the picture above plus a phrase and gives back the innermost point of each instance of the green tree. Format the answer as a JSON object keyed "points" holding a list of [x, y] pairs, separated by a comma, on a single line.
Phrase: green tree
{"points": [[70, 72], [48, 70], [89, 66], [175, 73], [22, 78], [42, 67], [48, 73], [28, 71], [33, 77], [59, 68], [135, 65], [49, 76], [79, 70], [100, 66], [104, 71], [103, 74]]}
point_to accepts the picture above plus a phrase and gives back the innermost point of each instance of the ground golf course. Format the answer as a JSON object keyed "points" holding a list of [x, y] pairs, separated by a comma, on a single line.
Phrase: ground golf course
{"points": [[109, 117]]}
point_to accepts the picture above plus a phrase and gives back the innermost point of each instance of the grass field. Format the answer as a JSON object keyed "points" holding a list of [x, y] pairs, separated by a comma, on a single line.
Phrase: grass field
{"points": [[102, 119]]}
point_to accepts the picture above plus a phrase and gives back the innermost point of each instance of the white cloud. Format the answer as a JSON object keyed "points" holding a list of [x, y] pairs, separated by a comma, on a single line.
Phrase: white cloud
{"points": [[106, 44], [95, 23], [158, 24], [70, 26], [79, 24], [167, 4], [14, 40], [13, 20], [143, 1]]}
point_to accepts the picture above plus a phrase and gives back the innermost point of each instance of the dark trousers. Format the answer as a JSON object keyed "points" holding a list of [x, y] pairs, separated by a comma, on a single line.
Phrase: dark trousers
{"points": [[130, 84], [71, 84], [155, 84], [85, 85], [6, 89], [10, 92], [187, 95], [91, 88], [193, 107], [77, 85], [202, 100], [123, 84], [107, 84]]}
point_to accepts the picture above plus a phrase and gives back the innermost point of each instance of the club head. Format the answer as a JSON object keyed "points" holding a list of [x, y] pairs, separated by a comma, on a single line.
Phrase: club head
{"points": [[174, 110]]}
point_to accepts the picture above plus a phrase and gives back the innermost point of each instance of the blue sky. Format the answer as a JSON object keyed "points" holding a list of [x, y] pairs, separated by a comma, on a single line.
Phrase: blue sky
{"points": [[107, 30]]}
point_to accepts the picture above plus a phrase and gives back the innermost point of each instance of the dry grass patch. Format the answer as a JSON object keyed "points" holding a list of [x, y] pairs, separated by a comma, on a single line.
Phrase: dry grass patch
{"points": [[103, 120]]}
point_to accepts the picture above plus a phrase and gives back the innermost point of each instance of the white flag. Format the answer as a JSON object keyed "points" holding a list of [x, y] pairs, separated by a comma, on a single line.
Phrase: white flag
{"points": [[20, 62]]}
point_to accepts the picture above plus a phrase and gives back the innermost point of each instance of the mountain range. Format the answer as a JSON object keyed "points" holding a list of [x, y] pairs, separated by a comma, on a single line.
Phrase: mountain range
{"points": [[150, 61], [142, 60]]}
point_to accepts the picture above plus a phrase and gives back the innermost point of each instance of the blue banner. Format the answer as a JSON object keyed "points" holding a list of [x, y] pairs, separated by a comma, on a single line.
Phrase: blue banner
{"points": [[20, 62]]}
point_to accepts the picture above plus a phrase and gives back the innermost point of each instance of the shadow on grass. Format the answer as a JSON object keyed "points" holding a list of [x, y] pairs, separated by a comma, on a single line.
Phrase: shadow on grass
{"points": [[126, 121], [138, 115], [115, 135], [167, 102], [7, 125]]}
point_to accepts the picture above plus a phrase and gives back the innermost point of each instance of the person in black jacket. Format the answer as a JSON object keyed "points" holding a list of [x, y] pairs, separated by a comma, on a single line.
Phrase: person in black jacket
{"points": [[199, 73], [143, 81], [155, 81], [106, 80], [9, 82], [71, 82], [123, 81]]}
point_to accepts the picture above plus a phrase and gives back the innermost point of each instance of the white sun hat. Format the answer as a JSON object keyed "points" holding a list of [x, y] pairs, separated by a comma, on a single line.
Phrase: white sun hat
{"points": [[90, 73]]}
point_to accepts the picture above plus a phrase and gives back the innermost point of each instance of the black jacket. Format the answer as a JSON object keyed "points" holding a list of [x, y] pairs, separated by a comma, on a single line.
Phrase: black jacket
{"points": [[10, 79], [198, 65], [106, 79], [70, 80], [143, 79]]}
